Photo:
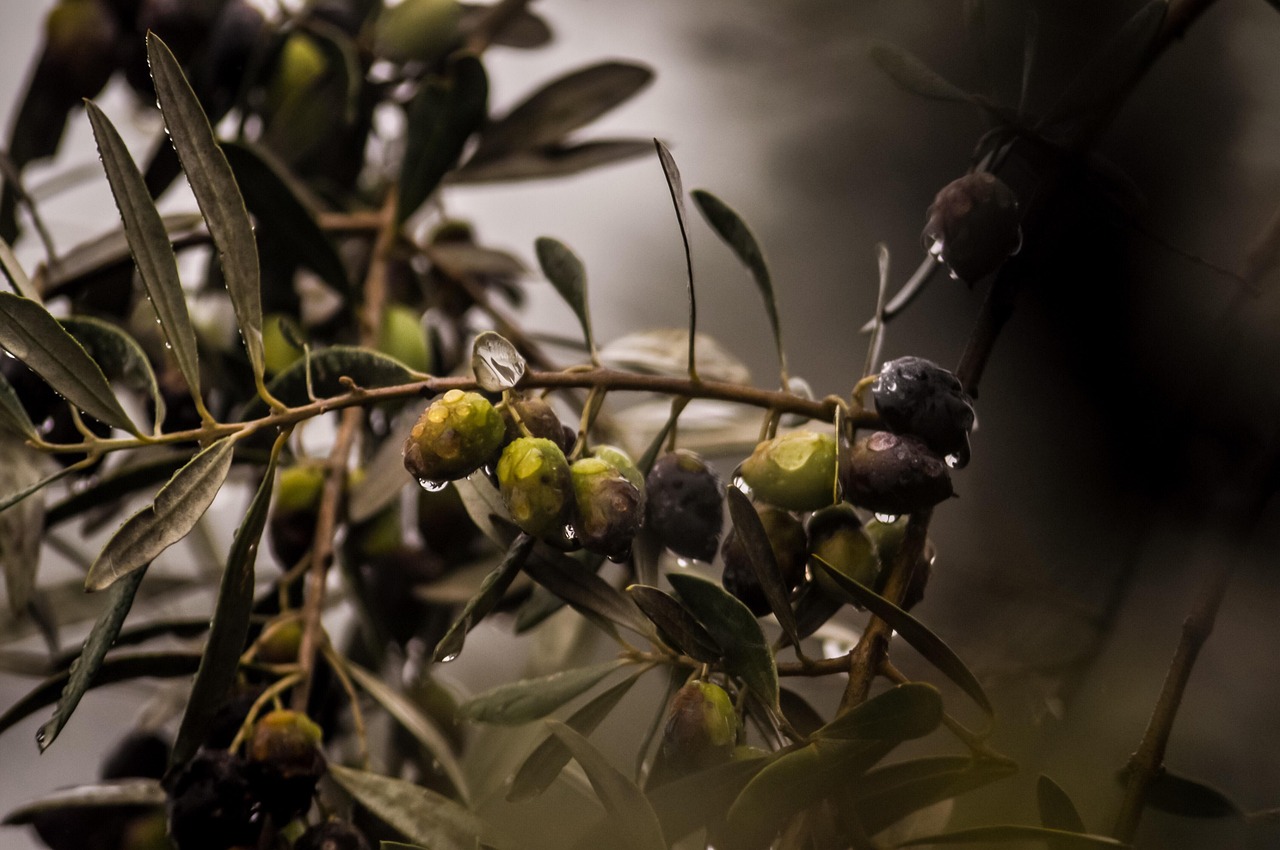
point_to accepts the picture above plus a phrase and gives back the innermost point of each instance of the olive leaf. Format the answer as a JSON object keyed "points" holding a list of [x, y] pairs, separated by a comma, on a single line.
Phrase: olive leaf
{"points": [[636, 822], [363, 367], [109, 254], [1188, 798], [107, 795], [544, 764], [690, 802], [552, 161], [580, 586], [567, 274], [384, 473], [119, 356], [676, 187], [150, 246], [1056, 809], [1010, 834], [21, 527], [730, 227], [524, 29], [496, 363], [216, 191], [123, 480], [891, 792], [17, 276], [755, 541], [676, 625], [30, 333], [491, 590], [903, 712], [735, 628], [912, 631], [230, 626], [529, 699], [660, 351], [421, 815], [176, 509], [909, 72], [83, 669], [441, 117], [13, 416]]}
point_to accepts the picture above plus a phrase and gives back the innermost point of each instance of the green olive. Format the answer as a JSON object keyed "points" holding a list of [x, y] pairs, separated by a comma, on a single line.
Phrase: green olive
{"points": [[795, 471]]}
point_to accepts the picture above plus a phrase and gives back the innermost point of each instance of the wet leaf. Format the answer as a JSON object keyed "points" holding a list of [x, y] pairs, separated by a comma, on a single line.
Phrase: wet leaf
{"points": [[803, 717], [31, 334], [421, 815], [367, 369], [755, 541], [412, 719], [636, 823], [13, 416], [150, 246], [119, 482], [496, 363], [735, 628], [176, 509], [524, 30], [553, 161], [485, 508], [562, 106], [676, 625], [283, 217], [107, 795], [21, 526], [913, 632], [1189, 798], [85, 668], [891, 792], [491, 590], [690, 802], [676, 187], [441, 117], [529, 699], [566, 273], [661, 352], [1016, 834], [1056, 809], [906, 69], [216, 191], [109, 253], [899, 714], [735, 233], [119, 356], [230, 627], [544, 764], [17, 276], [578, 585]]}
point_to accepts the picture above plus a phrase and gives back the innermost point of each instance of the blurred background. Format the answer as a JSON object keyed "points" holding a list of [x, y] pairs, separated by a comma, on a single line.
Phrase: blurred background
{"points": [[1128, 405]]}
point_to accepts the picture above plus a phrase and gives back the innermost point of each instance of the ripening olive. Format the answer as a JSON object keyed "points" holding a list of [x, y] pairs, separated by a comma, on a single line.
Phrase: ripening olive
{"points": [[786, 538], [536, 486], [685, 507], [457, 434], [795, 471]]}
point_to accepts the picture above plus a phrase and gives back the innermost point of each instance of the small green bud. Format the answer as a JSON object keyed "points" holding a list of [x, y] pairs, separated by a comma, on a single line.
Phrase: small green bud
{"points": [[685, 508], [402, 337], [536, 486], [786, 538], [456, 435], [894, 474], [795, 471], [609, 507]]}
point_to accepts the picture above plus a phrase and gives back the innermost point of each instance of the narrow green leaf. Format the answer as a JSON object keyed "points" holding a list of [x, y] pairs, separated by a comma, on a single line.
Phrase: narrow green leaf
{"points": [[107, 255], [495, 584], [676, 625], [108, 795], [496, 363], [676, 187], [13, 416], [176, 509], [903, 712], [636, 823], [30, 333], [735, 628], [230, 627], [283, 218], [1188, 798], [161, 665], [553, 161], [755, 540], [579, 585], [701, 798], [910, 73], [421, 815], [135, 635], [22, 527], [567, 274], [891, 792], [366, 368], [1056, 810], [83, 669], [913, 632], [529, 699], [119, 482], [149, 243], [216, 191], [119, 356], [802, 716], [544, 764], [1008, 834], [485, 508], [441, 117], [735, 233], [562, 106], [412, 719], [17, 276]]}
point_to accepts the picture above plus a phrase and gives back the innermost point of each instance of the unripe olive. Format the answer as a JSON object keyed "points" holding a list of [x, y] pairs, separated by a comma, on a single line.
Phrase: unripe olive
{"points": [[621, 461], [293, 516], [685, 508], [887, 538], [974, 225], [915, 396], [786, 538], [416, 30], [701, 731], [837, 537], [402, 337], [538, 419], [280, 641], [795, 471], [610, 508], [380, 534], [457, 434], [285, 763], [279, 344], [536, 486], [80, 44], [894, 474], [331, 835], [300, 65]]}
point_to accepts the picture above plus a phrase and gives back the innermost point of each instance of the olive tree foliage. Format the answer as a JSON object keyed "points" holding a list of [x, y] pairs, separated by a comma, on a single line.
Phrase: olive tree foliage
{"points": [[471, 471]]}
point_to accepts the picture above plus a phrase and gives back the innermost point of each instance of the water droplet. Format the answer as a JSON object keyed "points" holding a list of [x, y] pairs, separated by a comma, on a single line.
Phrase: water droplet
{"points": [[741, 483], [684, 563], [887, 519], [168, 346], [432, 486], [936, 248], [570, 532], [952, 273], [451, 657], [41, 737], [1018, 247], [953, 460]]}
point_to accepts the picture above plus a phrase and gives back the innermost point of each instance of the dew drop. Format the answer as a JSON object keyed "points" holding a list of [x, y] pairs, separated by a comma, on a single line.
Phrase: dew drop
{"points": [[887, 519], [952, 273], [432, 486], [935, 249], [41, 737], [570, 532], [1018, 247], [451, 657], [953, 460], [168, 346], [684, 563], [741, 483]]}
